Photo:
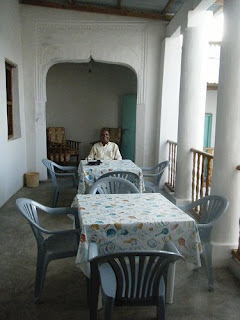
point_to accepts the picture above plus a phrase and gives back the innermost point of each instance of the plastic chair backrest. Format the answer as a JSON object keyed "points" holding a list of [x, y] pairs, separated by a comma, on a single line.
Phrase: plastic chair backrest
{"points": [[51, 169], [211, 208], [28, 208], [135, 275], [160, 169], [113, 185], [130, 176]]}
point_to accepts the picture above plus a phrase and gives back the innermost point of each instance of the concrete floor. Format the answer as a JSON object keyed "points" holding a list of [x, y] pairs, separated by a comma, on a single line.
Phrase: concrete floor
{"points": [[64, 293]]}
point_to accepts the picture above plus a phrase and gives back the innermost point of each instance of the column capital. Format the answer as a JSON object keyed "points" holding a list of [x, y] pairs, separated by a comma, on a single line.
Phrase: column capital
{"points": [[180, 20], [198, 19]]}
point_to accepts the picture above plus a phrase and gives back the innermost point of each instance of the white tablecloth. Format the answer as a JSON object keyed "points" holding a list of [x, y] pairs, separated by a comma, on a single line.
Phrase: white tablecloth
{"points": [[144, 221], [88, 174]]}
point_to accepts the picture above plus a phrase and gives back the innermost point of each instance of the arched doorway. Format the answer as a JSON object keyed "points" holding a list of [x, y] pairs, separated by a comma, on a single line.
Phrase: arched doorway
{"points": [[113, 43], [84, 97]]}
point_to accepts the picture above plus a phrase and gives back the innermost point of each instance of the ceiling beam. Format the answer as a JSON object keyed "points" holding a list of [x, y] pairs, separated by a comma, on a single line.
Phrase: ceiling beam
{"points": [[119, 4], [168, 5], [99, 9], [219, 2], [218, 11]]}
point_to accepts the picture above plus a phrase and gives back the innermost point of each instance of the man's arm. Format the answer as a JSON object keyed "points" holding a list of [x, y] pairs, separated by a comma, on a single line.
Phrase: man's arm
{"points": [[91, 154], [117, 154]]}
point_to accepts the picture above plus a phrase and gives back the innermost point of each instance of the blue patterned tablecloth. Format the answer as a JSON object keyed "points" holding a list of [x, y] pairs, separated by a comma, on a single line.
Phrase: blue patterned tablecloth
{"points": [[143, 221], [88, 174]]}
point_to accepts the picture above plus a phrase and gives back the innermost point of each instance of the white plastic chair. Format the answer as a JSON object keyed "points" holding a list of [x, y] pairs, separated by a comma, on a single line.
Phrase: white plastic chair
{"points": [[113, 185], [130, 176], [155, 173], [211, 209], [55, 171], [130, 278], [58, 245]]}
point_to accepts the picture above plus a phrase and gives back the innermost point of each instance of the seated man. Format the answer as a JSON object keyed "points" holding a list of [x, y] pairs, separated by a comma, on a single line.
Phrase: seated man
{"points": [[104, 150]]}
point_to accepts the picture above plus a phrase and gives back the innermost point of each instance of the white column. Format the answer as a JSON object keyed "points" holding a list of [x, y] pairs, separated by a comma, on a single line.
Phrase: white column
{"points": [[169, 102], [170, 66], [191, 105], [226, 179]]}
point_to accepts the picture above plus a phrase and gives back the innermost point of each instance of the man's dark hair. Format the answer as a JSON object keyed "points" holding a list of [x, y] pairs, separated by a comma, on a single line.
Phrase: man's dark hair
{"points": [[104, 129]]}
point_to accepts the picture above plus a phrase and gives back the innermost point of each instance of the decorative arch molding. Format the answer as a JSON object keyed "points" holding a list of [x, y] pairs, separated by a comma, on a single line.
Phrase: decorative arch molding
{"points": [[116, 43], [81, 53]]}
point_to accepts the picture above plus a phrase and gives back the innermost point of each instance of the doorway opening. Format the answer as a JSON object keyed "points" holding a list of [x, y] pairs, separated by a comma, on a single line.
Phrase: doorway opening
{"points": [[85, 97]]}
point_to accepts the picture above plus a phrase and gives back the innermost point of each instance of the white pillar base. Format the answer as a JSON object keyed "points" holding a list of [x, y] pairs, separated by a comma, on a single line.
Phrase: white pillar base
{"points": [[172, 197], [222, 253], [234, 266]]}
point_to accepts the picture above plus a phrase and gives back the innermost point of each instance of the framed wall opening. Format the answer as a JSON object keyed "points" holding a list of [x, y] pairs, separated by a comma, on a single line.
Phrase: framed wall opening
{"points": [[85, 97]]}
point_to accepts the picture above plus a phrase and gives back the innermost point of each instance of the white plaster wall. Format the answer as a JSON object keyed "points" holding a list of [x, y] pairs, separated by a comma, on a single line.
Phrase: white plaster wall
{"points": [[153, 83], [84, 97], [51, 36], [211, 107], [169, 97], [13, 153]]}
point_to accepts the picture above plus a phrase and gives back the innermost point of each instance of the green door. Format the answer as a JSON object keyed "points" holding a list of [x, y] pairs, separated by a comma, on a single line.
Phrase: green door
{"points": [[207, 130], [207, 137], [128, 127]]}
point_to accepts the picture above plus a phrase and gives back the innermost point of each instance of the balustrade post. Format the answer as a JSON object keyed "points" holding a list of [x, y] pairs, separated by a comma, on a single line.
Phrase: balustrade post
{"points": [[172, 165]]}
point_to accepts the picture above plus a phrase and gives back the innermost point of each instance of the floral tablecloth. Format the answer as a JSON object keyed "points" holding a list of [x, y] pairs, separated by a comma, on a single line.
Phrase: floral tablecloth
{"points": [[88, 174], [143, 221]]}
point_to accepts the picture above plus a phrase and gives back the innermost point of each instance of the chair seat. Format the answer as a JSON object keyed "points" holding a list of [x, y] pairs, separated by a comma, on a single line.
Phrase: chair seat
{"points": [[150, 187], [62, 243]]}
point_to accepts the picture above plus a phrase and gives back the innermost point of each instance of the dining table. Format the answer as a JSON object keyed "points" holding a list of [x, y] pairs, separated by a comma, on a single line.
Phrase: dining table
{"points": [[141, 221], [88, 173]]}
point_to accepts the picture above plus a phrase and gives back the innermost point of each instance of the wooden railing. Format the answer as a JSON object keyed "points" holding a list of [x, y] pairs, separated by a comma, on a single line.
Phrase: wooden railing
{"points": [[236, 253], [208, 150], [172, 158], [201, 173]]}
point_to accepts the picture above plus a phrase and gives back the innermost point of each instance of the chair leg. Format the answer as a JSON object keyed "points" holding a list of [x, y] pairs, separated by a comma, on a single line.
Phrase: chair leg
{"points": [[88, 292], [55, 197], [207, 249], [93, 295], [161, 308], [42, 263], [108, 303]]}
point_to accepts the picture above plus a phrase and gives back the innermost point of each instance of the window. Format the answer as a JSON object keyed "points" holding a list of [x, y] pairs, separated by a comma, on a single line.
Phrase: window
{"points": [[13, 119], [9, 90]]}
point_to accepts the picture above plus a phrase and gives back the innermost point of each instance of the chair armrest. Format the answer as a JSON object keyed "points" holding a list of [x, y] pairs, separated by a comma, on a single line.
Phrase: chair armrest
{"points": [[68, 140], [77, 231], [66, 168], [147, 168], [64, 211], [61, 211], [206, 225], [150, 168], [150, 174], [73, 144]]}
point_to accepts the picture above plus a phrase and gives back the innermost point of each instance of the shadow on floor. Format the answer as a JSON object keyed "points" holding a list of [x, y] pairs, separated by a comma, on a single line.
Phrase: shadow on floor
{"points": [[64, 292]]}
